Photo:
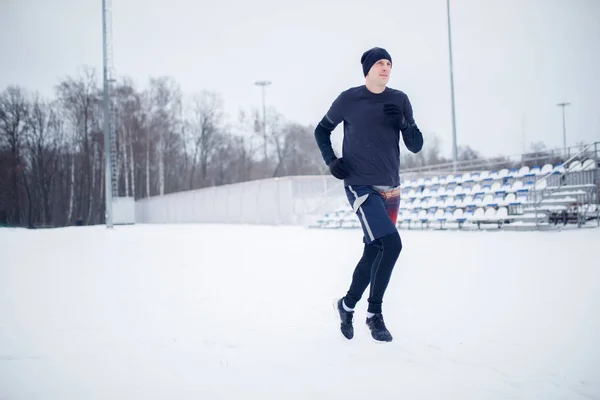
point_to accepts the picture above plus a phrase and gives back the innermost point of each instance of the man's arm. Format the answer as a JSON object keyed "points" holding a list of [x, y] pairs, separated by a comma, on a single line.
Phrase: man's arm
{"points": [[323, 130], [412, 136]]}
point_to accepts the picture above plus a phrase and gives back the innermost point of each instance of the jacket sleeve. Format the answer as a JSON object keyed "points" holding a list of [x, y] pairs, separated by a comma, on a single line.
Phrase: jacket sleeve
{"points": [[411, 134], [328, 123]]}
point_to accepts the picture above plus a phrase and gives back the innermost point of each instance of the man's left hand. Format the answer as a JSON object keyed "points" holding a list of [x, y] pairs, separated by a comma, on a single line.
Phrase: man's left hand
{"points": [[395, 115]]}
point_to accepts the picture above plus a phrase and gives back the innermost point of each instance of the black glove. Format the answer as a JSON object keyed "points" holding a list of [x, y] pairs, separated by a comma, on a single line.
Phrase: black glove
{"points": [[394, 114], [338, 168]]}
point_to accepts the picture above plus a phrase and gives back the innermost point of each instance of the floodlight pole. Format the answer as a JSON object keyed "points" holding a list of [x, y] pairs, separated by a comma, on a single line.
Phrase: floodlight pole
{"points": [[563, 105], [454, 145], [263, 84], [106, 123]]}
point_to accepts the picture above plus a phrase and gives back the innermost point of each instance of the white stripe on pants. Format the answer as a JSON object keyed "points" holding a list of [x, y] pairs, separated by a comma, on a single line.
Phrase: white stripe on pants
{"points": [[357, 207]]}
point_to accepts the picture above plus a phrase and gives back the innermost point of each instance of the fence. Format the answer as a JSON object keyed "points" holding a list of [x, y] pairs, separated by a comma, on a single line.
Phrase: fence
{"points": [[294, 200]]}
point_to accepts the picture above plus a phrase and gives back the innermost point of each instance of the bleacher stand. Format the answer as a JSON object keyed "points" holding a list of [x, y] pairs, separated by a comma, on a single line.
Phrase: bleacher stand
{"points": [[522, 198]]}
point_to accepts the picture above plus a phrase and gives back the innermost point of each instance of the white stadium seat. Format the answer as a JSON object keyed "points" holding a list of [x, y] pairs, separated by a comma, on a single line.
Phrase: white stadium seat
{"points": [[535, 170], [574, 166], [483, 175], [588, 165], [523, 171], [468, 201], [478, 214], [488, 200], [516, 186], [503, 173], [541, 184], [499, 197], [546, 169], [509, 199]]}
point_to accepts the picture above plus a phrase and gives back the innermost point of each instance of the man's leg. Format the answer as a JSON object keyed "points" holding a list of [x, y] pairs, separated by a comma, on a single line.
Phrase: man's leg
{"points": [[357, 197], [361, 276], [362, 272], [389, 246]]}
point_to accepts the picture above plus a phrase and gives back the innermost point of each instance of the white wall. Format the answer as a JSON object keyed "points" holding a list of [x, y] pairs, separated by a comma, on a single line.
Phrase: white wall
{"points": [[123, 209], [286, 201]]}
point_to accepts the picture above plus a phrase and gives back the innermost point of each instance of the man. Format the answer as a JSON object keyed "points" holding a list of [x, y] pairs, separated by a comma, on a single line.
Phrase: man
{"points": [[373, 115]]}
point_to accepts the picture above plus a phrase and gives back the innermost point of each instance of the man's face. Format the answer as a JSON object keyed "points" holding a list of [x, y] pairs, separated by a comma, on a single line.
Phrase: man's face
{"points": [[380, 72]]}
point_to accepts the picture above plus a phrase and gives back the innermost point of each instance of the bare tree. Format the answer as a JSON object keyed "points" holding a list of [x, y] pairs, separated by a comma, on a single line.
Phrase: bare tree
{"points": [[205, 129], [165, 98], [245, 147], [130, 130], [43, 144], [300, 154], [466, 153], [14, 111], [80, 98]]}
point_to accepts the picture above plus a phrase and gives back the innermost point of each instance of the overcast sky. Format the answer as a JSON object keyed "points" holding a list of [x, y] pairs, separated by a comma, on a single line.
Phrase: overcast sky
{"points": [[513, 59]]}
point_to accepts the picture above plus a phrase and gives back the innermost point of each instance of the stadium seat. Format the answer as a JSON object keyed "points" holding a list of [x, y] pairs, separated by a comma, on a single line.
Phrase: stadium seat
{"points": [[477, 215], [488, 200], [509, 199], [546, 169], [483, 175], [444, 216], [535, 170], [350, 220], [504, 172], [588, 165], [496, 187], [516, 186], [405, 217], [523, 171], [460, 216], [502, 213], [574, 166]]}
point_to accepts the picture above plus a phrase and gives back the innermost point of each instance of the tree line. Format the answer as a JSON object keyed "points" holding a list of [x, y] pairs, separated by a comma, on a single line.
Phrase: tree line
{"points": [[52, 149], [52, 168]]}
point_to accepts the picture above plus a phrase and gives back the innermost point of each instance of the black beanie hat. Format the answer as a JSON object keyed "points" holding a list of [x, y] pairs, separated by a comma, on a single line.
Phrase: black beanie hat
{"points": [[371, 56]]}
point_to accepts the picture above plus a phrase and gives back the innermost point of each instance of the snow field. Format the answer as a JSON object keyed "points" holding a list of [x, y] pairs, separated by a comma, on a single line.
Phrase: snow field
{"points": [[230, 312]]}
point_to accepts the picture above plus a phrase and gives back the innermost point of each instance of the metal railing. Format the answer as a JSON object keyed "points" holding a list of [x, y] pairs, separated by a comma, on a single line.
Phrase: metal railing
{"points": [[552, 156], [591, 191]]}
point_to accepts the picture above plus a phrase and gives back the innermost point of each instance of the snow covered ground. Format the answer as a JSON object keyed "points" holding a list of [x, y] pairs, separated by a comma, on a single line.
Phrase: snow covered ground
{"points": [[245, 312]]}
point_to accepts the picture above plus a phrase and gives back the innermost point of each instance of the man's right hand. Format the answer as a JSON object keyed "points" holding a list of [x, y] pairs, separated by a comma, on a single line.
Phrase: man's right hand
{"points": [[338, 168]]}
